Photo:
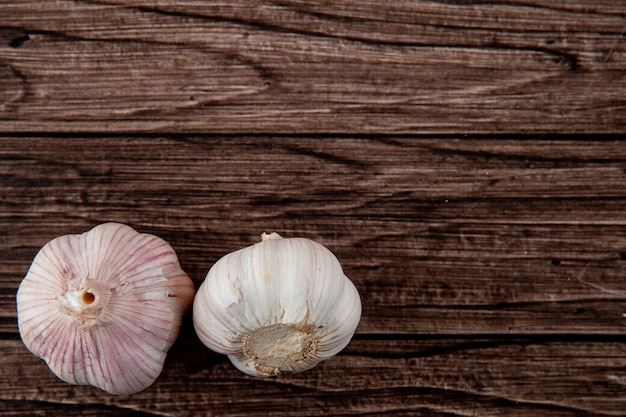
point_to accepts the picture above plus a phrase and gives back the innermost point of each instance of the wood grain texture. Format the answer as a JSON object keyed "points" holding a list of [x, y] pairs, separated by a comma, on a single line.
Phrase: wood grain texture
{"points": [[313, 67], [465, 160], [466, 253], [412, 378]]}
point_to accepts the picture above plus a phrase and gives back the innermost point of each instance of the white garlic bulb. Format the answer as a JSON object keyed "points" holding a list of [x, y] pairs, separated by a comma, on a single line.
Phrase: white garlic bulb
{"points": [[102, 308], [279, 305]]}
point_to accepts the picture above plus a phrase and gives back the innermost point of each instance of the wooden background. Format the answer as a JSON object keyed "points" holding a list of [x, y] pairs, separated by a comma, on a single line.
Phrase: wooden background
{"points": [[465, 160]]}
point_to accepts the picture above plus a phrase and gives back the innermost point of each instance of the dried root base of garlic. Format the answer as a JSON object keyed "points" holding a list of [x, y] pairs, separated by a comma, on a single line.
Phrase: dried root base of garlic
{"points": [[279, 346]]}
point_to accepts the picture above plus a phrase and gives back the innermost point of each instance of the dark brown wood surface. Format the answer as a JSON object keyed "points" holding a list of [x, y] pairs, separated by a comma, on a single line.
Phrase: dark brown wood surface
{"points": [[313, 67], [464, 160]]}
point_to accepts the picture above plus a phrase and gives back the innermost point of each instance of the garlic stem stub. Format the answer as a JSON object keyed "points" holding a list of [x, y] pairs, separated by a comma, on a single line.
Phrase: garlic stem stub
{"points": [[279, 305], [103, 308]]}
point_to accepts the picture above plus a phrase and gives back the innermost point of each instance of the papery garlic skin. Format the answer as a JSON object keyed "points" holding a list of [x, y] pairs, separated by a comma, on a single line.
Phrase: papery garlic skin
{"points": [[279, 305], [102, 308]]}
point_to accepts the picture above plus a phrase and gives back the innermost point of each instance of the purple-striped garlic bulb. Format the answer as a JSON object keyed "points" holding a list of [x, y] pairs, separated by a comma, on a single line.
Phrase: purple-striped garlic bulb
{"points": [[102, 308], [279, 305]]}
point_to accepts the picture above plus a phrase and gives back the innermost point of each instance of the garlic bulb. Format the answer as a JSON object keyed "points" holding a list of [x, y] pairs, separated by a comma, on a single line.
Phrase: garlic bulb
{"points": [[102, 308], [279, 305]]}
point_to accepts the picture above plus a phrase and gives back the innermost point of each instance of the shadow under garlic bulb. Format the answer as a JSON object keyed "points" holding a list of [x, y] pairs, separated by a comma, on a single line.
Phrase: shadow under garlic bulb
{"points": [[102, 308], [279, 305]]}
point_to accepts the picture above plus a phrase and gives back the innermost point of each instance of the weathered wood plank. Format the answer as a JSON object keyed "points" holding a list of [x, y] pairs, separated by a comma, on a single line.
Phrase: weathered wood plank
{"points": [[466, 250], [422, 377], [453, 237], [311, 67]]}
